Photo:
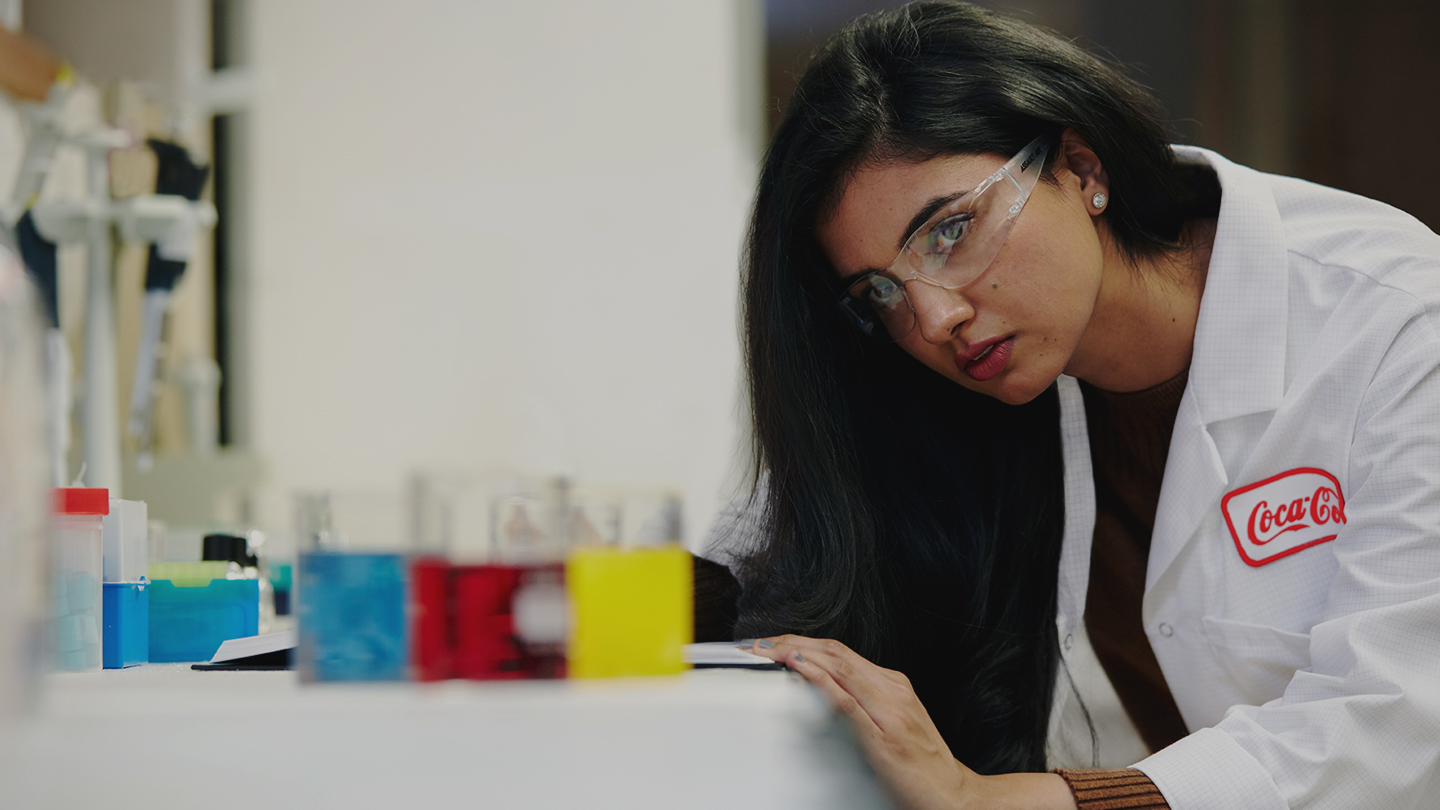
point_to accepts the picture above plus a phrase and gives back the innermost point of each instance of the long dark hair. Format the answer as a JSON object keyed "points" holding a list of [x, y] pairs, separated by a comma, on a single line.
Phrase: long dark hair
{"points": [[916, 521]]}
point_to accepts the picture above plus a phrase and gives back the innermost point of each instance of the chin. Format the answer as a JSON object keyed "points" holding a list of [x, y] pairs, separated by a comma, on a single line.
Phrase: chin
{"points": [[1016, 399], [1012, 392]]}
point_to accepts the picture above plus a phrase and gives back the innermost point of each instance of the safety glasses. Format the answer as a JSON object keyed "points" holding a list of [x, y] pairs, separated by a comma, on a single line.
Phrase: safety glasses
{"points": [[952, 249]]}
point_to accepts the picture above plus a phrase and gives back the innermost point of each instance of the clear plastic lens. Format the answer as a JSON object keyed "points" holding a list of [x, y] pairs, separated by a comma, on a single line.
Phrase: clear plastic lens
{"points": [[884, 293], [951, 250], [878, 305], [962, 239], [948, 234]]}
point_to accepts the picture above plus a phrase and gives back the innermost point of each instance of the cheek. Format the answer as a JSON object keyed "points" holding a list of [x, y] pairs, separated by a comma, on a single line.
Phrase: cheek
{"points": [[1059, 250], [1051, 290]]}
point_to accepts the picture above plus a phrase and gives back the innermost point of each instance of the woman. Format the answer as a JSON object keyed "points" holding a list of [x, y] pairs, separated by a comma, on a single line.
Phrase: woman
{"points": [[1074, 309]]}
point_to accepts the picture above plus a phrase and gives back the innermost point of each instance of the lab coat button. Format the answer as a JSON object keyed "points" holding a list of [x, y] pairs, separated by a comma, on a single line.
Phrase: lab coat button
{"points": [[1069, 641], [1166, 630]]}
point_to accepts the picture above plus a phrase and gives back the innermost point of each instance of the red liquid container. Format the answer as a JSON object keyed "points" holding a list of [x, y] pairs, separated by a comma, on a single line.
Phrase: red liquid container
{"points": [[487, 622], [430, 609]]}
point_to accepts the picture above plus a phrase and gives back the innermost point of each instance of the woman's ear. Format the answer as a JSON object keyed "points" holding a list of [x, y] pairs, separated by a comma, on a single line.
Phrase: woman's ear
{"points": [[1080, 160]]}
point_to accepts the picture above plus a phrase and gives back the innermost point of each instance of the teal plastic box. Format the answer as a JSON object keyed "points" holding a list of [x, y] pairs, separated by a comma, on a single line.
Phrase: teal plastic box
{"points": [[189, 624]]}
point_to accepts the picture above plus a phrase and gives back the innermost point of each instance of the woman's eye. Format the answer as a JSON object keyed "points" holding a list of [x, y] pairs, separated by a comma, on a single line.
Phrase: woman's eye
{"points": [[948, 232], [884, 292]]}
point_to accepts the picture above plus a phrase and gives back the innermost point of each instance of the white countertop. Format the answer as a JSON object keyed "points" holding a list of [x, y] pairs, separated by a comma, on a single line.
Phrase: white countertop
{"points": [[162, 735]]}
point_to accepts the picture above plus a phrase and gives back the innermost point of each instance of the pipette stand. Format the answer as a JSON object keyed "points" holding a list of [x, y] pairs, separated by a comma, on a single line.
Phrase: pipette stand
{"points": [[143, 218]]}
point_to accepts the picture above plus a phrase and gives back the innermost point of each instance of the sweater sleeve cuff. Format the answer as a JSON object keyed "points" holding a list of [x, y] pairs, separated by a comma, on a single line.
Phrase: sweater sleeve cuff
{"points": [[1113, 789]]}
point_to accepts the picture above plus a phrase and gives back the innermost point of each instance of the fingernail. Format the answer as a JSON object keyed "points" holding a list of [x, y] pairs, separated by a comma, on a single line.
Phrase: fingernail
{"points": [[800, 657], [765, 643], [745, 643]]}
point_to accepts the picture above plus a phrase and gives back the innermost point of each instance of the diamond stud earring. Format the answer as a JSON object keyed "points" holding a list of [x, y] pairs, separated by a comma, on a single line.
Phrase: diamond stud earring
{"points": [[1099, 199]]}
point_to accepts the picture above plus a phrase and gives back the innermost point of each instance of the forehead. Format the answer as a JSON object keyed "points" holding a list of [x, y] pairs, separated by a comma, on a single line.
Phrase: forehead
{"points": [[866, 227]]}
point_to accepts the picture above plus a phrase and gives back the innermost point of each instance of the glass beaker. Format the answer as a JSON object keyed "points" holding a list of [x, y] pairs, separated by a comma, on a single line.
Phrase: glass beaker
{"points": [[351, 588]]}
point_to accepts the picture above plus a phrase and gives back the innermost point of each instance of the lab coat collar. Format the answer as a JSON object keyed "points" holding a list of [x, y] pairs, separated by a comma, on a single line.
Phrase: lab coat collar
{"points": [[1238, 363]]}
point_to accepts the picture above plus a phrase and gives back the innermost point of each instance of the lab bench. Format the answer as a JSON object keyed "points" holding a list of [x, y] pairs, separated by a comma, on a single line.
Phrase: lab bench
{"points": [[162, 735]]}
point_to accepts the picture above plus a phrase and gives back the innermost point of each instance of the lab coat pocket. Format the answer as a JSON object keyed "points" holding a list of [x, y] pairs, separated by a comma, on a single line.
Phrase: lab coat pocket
{"points": [[1259, 659]]}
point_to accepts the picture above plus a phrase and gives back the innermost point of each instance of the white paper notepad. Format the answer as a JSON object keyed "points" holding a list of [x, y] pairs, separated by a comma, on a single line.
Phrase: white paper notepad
{"points": [[724, 654]]}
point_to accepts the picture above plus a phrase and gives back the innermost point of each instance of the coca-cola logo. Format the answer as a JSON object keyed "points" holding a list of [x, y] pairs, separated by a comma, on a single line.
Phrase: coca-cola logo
{"points": [[1284, 514]]}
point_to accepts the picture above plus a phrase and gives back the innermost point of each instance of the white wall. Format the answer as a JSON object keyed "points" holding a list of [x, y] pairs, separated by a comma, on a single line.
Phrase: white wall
{"points": [[499, 235]]}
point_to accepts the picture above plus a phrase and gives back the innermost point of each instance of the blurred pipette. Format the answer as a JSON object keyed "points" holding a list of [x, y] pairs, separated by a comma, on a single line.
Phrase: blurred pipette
{"points": [[178, 175]]}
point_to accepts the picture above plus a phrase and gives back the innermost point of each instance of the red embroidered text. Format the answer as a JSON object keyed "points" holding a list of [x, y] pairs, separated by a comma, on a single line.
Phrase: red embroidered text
{"points": [[1284, 514]]}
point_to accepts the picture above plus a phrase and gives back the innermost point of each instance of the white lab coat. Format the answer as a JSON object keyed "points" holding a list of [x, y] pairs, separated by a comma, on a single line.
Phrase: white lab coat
{"points": [[1303, 648], [1301, 642]]}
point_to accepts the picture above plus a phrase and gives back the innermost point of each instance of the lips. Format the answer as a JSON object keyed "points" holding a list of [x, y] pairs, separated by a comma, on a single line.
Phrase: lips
{"points": [[983, 361]]}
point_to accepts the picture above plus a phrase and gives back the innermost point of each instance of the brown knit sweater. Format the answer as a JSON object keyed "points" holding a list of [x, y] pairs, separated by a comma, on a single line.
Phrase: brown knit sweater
{"points": [[1129, 441], [1113, 789]]}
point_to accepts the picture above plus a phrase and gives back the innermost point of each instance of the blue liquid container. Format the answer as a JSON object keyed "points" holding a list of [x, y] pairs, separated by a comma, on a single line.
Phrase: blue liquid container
{"points": [[126, 616], [352, 617]]}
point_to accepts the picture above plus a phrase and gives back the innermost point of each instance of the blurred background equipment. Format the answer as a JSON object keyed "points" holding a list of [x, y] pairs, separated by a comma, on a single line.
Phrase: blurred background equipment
{"points": [[107, 164], [336, 209], [171, 222], [180, 176]]}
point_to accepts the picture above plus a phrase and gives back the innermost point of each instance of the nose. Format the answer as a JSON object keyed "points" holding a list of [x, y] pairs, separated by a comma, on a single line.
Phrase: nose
{"points": [[938, 312]]}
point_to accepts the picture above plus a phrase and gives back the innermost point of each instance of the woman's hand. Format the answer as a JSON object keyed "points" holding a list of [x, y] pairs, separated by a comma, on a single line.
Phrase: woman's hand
{"points": [[900, 740]]}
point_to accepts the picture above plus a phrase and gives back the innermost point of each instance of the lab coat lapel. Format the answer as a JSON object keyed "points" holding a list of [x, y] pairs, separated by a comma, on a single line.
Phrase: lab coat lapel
{"points": [[1074, 577], [1238, 364], [1195, 479]]}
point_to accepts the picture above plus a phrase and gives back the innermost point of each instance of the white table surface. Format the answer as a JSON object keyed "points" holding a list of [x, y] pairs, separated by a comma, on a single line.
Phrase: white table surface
{"points": [[162, 736]]}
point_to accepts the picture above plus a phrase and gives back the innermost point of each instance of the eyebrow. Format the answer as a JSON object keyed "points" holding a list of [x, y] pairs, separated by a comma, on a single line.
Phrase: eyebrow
{"points": [[923, 215]]}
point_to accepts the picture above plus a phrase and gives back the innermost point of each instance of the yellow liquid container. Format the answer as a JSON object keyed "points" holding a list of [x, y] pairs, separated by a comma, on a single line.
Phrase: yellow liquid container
{"points": [[632, 610]]}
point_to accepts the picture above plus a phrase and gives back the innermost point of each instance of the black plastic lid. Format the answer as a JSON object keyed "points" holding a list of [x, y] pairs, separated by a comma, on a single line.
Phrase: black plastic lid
{"points": [[227, 548]]}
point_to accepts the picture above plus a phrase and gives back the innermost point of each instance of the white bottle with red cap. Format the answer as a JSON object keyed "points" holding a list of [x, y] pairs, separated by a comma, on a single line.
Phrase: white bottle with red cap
{"points": [[77, 553]]}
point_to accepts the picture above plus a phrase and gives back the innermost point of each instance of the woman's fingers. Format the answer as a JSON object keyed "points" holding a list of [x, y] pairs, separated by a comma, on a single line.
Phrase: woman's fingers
{"points": [[839, 699], [898, 736], [877, 690]]}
